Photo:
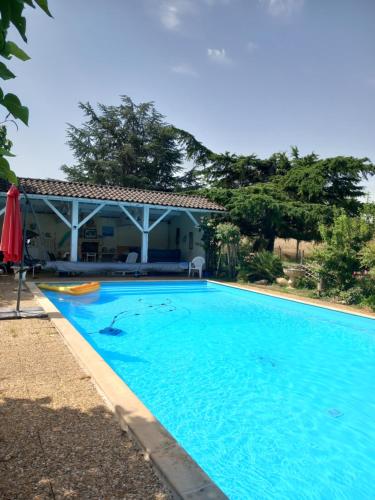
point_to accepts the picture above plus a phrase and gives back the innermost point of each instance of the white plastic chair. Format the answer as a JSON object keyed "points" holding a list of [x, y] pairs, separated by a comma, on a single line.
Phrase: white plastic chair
{"points": [[197, 265], [131, 258]]}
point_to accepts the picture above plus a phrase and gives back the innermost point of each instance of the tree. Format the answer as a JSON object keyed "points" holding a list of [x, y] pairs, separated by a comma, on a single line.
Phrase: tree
{"points": [[264, 211], [11, 12], [129, 145], [331, 181], [228, 240], [285, 196], [340, 254]]}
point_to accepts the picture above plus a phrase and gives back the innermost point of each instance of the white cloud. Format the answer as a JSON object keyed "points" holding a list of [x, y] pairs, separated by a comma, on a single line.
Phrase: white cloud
{"points": [[282, 7], [184, 69], [212, 3], [171, 12], [251, 46], [218, 56]]}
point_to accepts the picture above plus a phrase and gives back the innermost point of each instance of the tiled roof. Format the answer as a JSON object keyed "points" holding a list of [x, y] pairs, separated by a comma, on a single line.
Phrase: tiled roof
{"points": [[115, 193]]}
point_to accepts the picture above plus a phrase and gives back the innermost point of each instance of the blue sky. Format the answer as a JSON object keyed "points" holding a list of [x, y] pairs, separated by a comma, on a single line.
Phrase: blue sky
{"points": [[247, 76]]}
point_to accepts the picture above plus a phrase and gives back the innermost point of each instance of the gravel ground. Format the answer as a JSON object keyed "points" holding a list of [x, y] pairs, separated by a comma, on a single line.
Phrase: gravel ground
{"points": [[58, 439]]}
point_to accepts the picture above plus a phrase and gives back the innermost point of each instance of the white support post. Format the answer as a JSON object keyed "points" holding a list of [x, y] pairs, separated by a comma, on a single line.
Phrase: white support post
{"points": [[2, 211], [59, 214], [194, 220], [91, 215], [145, 231], [74, 233]]}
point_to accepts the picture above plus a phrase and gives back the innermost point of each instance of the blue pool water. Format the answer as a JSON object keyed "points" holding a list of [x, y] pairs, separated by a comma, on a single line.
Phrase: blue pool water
{"points": [[274, 399]]}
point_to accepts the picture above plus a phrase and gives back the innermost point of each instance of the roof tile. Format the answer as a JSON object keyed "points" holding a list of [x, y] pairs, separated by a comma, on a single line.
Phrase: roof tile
{"points": [[50, 187]]}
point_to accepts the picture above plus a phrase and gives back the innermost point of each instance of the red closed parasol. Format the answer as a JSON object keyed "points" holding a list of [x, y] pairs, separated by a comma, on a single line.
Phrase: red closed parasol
{"points": [[11, 237]]}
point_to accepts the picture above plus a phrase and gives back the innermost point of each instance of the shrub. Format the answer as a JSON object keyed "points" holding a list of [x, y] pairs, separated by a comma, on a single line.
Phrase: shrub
{"points": [[304, 282], [362, 293], [339, 255], [369, 302], [262, 265], [353, 295], [367, 257], [228, 239]]}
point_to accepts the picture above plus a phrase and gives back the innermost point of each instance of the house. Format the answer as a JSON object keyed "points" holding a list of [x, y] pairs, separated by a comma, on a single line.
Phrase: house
{"points": [[95, 223]]}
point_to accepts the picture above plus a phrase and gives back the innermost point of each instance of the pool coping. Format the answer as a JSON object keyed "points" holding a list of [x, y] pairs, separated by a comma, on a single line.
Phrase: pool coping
{"points": [[302, 300], [176, 468]]}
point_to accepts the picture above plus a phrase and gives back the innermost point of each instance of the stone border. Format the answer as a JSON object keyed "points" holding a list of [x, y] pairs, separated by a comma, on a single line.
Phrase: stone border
{"points": [[294, 298], [182, 475]]}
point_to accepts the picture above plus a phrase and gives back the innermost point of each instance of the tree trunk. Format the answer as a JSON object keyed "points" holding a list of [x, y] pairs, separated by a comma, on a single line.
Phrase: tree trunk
{"points": [[270, 242], [297, 249]]}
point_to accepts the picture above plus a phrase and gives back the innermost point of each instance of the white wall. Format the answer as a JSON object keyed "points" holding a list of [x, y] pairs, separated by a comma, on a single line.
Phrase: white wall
{"points": [[56, 235], [186, 226]]}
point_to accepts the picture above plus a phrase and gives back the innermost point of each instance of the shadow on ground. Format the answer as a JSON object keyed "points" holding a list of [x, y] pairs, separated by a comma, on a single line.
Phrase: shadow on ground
{"points": [[48, 450]]}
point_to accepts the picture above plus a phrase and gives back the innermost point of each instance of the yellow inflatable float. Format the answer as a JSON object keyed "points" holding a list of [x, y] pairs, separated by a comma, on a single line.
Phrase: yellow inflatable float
{"points": [[93, 286]]}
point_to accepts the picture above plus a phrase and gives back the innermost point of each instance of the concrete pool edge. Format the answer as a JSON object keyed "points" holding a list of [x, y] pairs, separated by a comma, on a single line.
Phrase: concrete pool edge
{"points": [[181, 474], [294, 298]]}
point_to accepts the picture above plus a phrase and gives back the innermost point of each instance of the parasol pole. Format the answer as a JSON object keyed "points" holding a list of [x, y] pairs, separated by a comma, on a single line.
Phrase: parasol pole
{"points": [[20, 272]]}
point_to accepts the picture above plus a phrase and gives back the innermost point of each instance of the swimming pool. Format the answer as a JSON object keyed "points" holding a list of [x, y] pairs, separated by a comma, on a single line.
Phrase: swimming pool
{"points": [[273, 398]]}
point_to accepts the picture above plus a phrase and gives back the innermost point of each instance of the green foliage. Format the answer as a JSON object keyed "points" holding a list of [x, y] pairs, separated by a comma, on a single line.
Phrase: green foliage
{"points": [[264, 211], [263, 265], [129, 145], [367, 257], [331, 181], [351, 296], [11, 12], [339, 256], [284, 196], [302, 282], [210, 243], [361, 293], [228, 237]]}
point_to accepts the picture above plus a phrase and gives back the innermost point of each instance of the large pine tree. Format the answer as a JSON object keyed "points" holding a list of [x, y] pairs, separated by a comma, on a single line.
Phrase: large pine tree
{"points": [[128, 145]]}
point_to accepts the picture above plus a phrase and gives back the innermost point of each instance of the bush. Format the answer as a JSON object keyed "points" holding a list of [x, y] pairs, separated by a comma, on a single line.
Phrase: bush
{"points": [[339, 255], [369, 302], [362, 293], [351, 296], [305, 282], [261, 266], [367, 257]]}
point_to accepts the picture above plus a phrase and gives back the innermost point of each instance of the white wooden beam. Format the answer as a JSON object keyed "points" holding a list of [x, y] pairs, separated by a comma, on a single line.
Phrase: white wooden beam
{"points": [[154, 224], [146, 228], [59, 214], [134, 221], [74, 232], [195, 222], [91, 215]]}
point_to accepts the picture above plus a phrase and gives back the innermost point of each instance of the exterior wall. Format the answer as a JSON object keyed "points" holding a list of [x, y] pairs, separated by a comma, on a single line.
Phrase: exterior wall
{"points": [[185, 226], [56, 236]]}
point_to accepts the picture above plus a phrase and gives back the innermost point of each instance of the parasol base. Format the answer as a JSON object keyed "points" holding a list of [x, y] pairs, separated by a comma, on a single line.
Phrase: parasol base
{"points": [[27, 312]]}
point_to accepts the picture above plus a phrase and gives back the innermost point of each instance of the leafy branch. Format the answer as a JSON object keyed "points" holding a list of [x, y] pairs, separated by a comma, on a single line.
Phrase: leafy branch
{"points": [[11, 12]]}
